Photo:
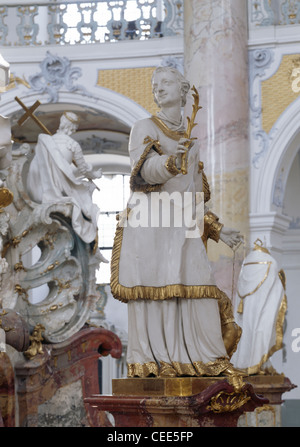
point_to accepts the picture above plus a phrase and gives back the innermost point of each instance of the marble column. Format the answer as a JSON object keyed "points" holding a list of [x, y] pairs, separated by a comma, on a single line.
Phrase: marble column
{"points": [[216, 63]]}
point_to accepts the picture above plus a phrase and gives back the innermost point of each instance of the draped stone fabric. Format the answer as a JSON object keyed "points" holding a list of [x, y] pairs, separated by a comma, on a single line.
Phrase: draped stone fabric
{"points": [[163, 274], [52, 177], [259, 310]]}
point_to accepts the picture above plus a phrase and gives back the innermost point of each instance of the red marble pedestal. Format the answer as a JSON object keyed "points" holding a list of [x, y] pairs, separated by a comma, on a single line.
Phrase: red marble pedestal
{"points": [[63, 364], [7, 392], [272, 387], [218, 404]]}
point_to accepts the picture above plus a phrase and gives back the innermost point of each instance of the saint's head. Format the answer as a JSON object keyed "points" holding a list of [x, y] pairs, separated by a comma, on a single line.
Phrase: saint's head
{"points": [[169, 87]]}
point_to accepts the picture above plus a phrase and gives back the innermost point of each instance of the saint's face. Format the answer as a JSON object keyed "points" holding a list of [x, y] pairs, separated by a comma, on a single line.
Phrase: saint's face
{"points": [[166, 89], [70, 129]]}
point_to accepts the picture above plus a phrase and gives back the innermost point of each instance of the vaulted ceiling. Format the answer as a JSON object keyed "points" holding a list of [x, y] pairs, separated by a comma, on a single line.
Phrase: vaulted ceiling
{"points": [[98, 132]]}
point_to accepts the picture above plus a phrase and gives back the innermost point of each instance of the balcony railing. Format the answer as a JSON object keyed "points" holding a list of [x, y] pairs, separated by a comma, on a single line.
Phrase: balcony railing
{"points": [[77, 22], [273, 12]]}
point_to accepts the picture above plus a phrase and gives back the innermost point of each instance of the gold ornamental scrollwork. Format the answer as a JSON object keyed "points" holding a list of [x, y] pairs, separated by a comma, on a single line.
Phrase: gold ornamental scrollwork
{"points": [[49, 239], [17, 239], [62, 285], [36, 339], [22, 293], [227, 402], [6, 198], [50, 267], [19, 266]]}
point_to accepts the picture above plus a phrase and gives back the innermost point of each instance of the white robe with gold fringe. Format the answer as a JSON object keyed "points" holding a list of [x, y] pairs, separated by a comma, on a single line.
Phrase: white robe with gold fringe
{"points": [[165, 277]]}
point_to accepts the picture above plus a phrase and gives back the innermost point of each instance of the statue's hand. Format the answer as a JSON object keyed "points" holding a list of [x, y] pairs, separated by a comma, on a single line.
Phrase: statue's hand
{"points": [[94, 174], [231, 237], [184, 144], [98, 174]]}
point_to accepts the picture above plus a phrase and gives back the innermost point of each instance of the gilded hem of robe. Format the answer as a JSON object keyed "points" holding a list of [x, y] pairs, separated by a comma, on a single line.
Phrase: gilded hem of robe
{"points": [[195, 369], [255, 369], [125, 294]]}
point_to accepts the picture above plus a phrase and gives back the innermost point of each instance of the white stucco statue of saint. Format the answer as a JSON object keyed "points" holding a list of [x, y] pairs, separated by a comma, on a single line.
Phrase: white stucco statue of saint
{"points": [[58, 171], [176, 314], [259, 310]]}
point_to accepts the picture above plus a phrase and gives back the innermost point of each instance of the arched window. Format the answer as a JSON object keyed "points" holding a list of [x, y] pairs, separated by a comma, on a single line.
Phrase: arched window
{"points": [[111, 198]]}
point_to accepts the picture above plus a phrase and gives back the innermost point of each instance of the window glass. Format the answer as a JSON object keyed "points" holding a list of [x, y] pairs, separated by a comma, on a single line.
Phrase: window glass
{"points": [[111, 198]]}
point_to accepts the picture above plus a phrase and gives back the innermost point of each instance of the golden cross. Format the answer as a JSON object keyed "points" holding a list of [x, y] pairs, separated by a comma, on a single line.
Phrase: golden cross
{"points": [[29, 114]]}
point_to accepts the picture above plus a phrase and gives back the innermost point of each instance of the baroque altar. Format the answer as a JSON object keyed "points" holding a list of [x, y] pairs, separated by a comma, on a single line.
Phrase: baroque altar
{"points": [[50, 337], [183, 333]]}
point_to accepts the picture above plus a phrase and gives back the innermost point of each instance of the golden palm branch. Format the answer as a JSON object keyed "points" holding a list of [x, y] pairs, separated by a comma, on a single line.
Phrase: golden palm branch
{"points": [[190, 125]]}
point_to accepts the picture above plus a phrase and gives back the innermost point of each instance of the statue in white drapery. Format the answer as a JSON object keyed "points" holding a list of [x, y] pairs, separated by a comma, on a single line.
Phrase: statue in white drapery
{"points": [[176, 314], [51, 225], [59, 172], [259, 310]]}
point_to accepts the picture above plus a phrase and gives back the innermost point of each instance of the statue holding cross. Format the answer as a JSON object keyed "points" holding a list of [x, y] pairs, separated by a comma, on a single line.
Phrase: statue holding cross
{"points": [[58, 172], [53, 217], [29, 114]]}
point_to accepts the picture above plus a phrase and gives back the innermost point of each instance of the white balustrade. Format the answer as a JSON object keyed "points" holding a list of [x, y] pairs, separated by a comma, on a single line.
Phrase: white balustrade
{"points": [[69, 22], [273, 12]]}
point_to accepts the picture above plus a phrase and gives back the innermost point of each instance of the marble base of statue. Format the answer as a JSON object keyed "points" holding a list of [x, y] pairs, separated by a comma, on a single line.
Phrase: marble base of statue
{"points": [[7, 392], [176, 402], [51, 387]]}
